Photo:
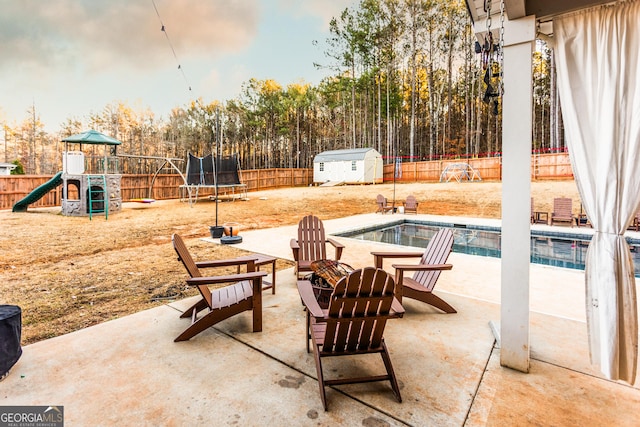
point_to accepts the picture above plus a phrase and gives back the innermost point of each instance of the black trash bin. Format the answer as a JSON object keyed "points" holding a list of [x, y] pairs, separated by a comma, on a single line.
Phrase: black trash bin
{"points": [[10, 332]]}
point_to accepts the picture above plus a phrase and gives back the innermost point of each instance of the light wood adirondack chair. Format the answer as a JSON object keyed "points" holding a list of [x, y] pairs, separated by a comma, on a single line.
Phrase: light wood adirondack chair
{"points": [[383, 204], [562, 211], [354, 323], [427, 271], [411, 204], [245, 294], [311, 244]]}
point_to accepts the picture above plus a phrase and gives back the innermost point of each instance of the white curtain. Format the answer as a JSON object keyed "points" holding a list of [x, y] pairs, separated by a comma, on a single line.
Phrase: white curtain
{"points": [[598, 65]]}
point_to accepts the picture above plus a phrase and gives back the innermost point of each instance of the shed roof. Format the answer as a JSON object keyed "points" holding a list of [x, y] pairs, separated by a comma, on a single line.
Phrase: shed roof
{"points": [[343, 155]]}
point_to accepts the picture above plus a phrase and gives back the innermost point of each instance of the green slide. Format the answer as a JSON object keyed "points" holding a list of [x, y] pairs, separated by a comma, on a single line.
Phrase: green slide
{"points": [[38, 193]]}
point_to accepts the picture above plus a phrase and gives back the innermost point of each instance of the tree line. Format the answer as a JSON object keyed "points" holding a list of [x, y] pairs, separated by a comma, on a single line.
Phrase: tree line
{"points": [[405, 79]]}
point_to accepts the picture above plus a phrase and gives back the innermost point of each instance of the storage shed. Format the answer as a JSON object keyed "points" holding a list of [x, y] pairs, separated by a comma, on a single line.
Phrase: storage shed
{"points": [[6, 168], [351, 166]]}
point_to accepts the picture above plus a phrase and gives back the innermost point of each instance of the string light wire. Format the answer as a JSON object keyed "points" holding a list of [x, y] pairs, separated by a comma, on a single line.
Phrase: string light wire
{"points": [[166, 34]]}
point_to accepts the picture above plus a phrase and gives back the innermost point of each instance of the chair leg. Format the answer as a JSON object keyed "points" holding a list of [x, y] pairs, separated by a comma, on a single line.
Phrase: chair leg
{"points": [[308, 332], [323, 396], [438, 302], [392, 376], [198, 306]]}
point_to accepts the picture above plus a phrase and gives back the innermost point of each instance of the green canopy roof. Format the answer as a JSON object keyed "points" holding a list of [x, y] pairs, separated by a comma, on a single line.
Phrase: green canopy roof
{"points": [[92, 137]]}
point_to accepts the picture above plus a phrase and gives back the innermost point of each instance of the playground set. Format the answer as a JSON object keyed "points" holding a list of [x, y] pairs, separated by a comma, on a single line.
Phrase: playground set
{"points": [[91, 178], [90, 185]]}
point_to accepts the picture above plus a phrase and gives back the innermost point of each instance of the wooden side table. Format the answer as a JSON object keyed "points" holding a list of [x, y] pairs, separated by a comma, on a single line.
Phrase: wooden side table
{"points": [[260, 260], [540, 217]]}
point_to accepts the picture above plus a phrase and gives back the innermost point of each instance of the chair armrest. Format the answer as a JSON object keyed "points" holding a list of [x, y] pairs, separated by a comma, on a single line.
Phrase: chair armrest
{"points": [[378, 257], [422, 267], [309, 299], [339, 247], [197, 281], [397, 310], [225, 262], [295, 248]]}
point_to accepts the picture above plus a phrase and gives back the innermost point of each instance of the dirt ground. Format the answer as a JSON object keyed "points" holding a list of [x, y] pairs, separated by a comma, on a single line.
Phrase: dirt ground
{"points": [[67, 273]]}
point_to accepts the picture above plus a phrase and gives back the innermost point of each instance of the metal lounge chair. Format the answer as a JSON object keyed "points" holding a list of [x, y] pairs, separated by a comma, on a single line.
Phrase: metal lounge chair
{"points": [[427, 271], [311, 244], [353, 324], [411, 204], [562, 211], [383, 204], [244, 294]]}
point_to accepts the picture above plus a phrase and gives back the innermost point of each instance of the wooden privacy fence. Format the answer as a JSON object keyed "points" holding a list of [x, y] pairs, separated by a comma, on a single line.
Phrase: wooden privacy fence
{"points": [[167, 186], [543, 166]]}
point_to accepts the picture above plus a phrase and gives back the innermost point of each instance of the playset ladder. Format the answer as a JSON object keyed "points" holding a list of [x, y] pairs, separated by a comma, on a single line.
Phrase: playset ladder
{"points": [[97, 184]]}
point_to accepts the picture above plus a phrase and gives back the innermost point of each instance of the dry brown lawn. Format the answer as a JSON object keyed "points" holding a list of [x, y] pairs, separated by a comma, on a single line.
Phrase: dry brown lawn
{"points": [[68, 273]]}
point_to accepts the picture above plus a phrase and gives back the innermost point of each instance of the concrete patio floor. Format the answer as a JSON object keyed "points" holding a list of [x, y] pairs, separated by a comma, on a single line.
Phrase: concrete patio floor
{"points": [[129, 371]]}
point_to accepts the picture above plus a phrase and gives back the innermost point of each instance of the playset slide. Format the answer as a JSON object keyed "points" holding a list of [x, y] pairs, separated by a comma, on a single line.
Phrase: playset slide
{"points": [[38, 193]]}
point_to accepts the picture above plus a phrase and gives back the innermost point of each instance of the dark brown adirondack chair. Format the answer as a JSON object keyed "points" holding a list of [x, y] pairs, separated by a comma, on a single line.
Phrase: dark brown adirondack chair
{"points": [[427, 272], [245, 294], [383, 204], [411, 204], [353, 324], [562, 211], [311, 244], [538, 217]]}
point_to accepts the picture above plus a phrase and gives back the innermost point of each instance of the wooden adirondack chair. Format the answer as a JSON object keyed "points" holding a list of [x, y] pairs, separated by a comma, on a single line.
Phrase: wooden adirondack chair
{"points": [[411, 205], [354, 323], [383, 204], [562, 211], [427, 271], [245, 294], [311, 244]]}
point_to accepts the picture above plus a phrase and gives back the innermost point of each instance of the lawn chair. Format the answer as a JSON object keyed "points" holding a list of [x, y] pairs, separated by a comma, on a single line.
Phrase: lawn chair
{"points": [[538, 217], [411, 205], [562, 211], [243, 295], [354, 323], [311, 244], [383, 204], [427, 271]]}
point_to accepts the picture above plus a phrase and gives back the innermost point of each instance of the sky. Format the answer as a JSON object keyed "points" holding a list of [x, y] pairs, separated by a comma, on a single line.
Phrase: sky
{"points": [[71, 58]]}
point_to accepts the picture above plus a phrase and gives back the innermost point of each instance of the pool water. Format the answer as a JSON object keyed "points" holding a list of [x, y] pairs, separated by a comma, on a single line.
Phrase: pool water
{"points": [[548, 250]]}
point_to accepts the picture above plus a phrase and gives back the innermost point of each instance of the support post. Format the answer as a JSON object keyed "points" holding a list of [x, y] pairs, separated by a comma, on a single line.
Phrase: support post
{"points": [[519, 38]]}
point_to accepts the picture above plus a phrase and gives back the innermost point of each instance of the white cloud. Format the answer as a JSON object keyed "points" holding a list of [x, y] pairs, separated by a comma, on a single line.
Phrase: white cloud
{"points": [[103, 35]]}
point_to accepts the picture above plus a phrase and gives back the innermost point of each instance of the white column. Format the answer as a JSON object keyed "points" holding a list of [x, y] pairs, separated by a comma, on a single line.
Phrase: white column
{"points": [[516, 192]]}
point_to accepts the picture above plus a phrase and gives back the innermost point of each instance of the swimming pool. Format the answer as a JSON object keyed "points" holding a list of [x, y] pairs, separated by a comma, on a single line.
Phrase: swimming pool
{"points": [[559, 250]]}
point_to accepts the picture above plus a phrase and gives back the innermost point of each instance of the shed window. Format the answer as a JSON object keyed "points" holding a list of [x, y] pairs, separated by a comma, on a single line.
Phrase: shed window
{"points": [[321, 167], [353, 166]]}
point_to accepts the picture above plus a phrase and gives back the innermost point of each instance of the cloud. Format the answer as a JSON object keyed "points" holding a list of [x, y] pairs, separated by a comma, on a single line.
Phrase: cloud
{"points": [[101, 35], [323, 9]]}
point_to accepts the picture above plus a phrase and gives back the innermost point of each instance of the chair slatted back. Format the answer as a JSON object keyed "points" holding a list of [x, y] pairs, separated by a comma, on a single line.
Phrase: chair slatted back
{"points": [[311, 239], [190, 265], [411, 203], [358, 311], [562, 207], [437, 252]]}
